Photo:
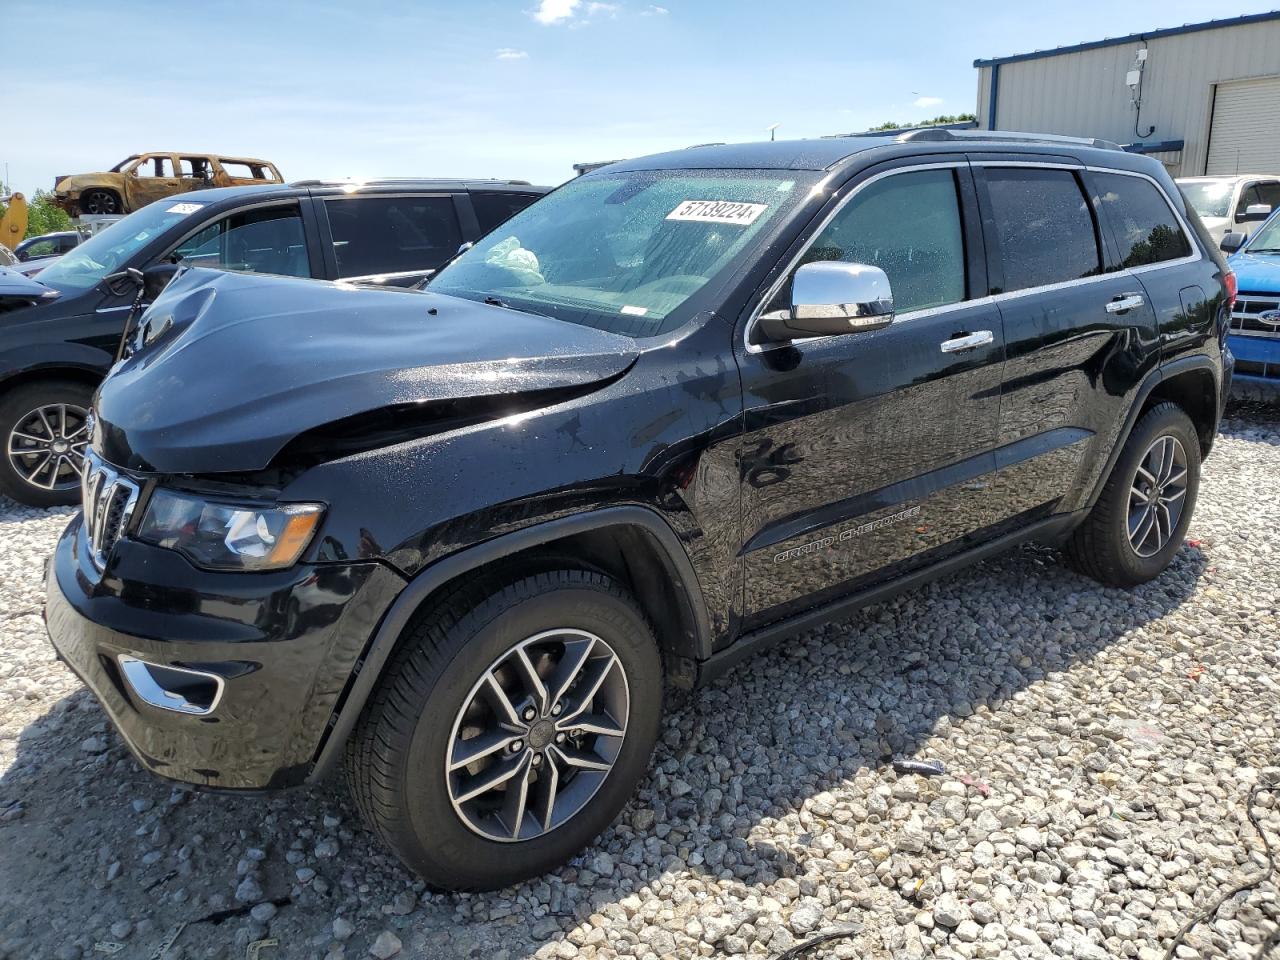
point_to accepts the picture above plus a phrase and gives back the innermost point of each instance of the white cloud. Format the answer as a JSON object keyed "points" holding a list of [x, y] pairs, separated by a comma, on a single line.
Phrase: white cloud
{"points": [[573, 12], [653, 10], [507, 53], [554, 11], [928, 101]]}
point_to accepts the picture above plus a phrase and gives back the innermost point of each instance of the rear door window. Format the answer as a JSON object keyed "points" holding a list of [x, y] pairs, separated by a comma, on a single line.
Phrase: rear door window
{"points": [[495, 207], [1043, 226], [1145, 228], [373, 235], [263, 240]]}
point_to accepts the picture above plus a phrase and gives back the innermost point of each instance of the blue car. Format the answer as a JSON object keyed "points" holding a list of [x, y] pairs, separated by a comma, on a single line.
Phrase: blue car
{"points": [[1255, 320]]}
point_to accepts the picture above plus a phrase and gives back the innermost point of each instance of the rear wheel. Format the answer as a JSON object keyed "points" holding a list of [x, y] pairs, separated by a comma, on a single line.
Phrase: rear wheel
{"points": [[1141, 517], [45, 432], [509, 729], [100, 203]]}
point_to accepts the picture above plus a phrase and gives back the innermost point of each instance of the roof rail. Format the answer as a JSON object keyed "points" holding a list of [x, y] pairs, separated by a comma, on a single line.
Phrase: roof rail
{"points": [[1012, 136], [379, 181]]}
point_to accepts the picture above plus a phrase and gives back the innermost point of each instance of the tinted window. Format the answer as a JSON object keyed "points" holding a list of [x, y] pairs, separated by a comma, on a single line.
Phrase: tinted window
{"points": [[1269, 193], [267, 240], [908, 225], [392, 234], [45, 248], [495, 208], [1044, 227], [1142, 221]]}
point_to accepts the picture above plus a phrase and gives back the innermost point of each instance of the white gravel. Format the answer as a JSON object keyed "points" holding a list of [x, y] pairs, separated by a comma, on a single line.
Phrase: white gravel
{"points": [[1099, 748]]}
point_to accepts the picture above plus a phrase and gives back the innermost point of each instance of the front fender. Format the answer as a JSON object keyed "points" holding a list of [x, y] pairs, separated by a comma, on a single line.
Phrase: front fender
{"points": [[684, 584]]}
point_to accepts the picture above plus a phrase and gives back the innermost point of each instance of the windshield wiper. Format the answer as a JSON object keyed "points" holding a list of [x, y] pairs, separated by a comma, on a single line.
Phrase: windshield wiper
{"points": [[1262, 250]]}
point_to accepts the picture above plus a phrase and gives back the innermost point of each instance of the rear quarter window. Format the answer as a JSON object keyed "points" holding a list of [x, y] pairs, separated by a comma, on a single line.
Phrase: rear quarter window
{"points": [[1145, 228]]}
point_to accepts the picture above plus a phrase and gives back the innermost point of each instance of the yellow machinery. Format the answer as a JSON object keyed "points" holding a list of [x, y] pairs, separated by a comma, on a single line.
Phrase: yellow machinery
{"points": [[13, 224]]}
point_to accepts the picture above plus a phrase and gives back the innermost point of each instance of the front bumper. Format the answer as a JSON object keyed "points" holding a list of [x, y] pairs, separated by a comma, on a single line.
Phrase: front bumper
{"points": [[1257, 367], [284, 643]]}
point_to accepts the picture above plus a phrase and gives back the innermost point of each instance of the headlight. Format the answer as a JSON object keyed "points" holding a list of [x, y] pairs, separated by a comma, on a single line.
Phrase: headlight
{"points": [[230, 536]]}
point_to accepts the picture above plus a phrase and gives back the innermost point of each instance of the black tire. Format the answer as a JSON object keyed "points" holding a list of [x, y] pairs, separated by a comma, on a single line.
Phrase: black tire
{"points": [[1100, 547], [16, 407], [396, 757], [100, 203]]}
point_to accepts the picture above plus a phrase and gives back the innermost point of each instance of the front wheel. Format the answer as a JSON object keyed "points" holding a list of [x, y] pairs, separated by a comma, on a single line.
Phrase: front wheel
{"points": [[509, 729], [45, 429], [100, 203], [1141, 517]]}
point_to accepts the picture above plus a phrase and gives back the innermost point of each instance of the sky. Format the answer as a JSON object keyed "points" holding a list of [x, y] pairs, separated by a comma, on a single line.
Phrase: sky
{"points": [[497, 88]]}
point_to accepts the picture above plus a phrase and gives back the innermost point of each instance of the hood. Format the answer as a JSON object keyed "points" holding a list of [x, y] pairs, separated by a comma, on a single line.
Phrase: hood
{"points": [[1256, 272], [14, 286], [1218, 227], [232, 367]]}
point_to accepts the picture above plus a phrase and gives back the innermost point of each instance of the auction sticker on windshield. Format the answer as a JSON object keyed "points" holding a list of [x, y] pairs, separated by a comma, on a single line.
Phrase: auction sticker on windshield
{"points": [[184, 208], [718, 211]]}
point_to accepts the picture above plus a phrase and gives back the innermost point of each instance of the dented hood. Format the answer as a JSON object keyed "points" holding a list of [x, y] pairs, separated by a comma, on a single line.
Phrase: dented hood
{"points": [[231, 367]]}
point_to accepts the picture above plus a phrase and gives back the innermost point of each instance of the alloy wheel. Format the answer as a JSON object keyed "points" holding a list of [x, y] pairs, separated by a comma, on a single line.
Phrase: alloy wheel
{"points": [[1157, 496], [46, 447], [537, 735]]}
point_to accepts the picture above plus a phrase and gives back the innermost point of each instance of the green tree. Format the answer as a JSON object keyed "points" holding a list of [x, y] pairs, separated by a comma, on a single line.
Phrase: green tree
{"points": [[944, 118], [43, 216]]}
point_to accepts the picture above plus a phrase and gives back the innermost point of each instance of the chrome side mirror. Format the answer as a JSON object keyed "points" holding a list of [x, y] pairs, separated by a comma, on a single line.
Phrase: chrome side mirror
{"points": [[1232, 242], [1254, 213], [828, 297]]}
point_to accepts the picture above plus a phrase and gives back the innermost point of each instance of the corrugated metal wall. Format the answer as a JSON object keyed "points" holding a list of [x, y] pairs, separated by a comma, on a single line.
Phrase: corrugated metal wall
{"points": [[1084, 94]]}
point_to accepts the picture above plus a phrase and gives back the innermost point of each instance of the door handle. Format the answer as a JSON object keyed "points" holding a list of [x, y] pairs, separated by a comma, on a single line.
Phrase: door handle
{"points": [[1125, 302], [969, 341]]}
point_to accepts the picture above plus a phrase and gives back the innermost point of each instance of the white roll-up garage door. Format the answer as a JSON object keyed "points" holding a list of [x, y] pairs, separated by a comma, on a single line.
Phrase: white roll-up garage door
{"points": [[1245, 134]]}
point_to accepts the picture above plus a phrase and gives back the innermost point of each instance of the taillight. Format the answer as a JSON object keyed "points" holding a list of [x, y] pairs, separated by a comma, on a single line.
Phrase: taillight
{"points": [[1229, 281]]}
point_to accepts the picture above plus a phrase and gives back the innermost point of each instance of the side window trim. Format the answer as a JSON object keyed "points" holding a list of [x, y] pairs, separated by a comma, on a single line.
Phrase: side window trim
{"points": [[968, 221]]}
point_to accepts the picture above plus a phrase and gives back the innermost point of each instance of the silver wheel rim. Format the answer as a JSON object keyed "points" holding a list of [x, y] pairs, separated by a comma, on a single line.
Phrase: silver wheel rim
{"points": [[537, 735], [46, 446], [1157, 496]]}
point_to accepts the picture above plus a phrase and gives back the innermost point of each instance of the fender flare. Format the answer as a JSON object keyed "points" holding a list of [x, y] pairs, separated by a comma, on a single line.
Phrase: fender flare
{"points": [[369, 667], [1157, 376], [52, 359]]}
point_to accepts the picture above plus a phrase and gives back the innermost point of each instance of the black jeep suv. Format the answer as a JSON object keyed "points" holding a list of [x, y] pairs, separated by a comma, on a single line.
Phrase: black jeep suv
{"points": [[676, 410], [59, 331]]}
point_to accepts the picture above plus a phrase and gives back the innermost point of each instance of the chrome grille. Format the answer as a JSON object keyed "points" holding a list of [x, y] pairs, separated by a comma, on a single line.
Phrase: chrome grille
{"points": [[1247, 317], [108, 498]]}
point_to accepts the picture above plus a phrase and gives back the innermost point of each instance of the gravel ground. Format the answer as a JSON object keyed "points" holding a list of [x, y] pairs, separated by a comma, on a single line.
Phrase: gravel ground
{"points": [[1100, 746]]}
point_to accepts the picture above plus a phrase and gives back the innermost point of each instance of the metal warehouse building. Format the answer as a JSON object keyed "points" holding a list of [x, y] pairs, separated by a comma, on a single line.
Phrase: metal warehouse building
{"points": [[1203, 98]]}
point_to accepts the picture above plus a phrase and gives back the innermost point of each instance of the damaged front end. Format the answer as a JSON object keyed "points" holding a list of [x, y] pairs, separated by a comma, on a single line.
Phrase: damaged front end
{"points": [[234, 374]]}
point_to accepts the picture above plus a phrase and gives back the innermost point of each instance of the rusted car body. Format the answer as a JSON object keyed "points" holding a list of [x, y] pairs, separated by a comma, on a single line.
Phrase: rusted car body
{"points": [[143, 178]]}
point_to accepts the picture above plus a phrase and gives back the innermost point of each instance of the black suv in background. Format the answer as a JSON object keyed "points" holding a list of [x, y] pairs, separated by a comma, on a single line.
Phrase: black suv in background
{"points": [[55, 347], [677, 410]]}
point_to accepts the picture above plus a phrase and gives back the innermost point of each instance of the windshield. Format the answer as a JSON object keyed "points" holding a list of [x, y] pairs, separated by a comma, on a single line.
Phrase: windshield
{"points": [[624, 252], [7, 259], [1267, 239], [112, 249], [1209, 198]]}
